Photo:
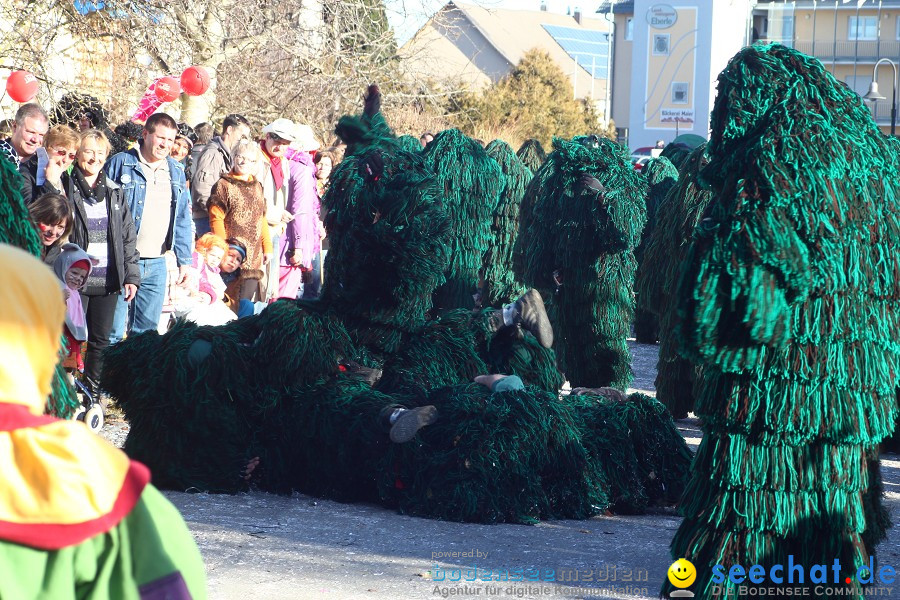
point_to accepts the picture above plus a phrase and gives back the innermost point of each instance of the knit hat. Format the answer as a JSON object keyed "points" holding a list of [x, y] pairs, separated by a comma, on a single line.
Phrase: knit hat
{"points": [[81, 264]]}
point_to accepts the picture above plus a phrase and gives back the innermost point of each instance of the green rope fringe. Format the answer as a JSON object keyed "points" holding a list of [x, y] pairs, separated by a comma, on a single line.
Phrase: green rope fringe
{"points": [[500, 283], [532, 154], [590, 242], [789, 298], [470, 183], [661, 177]]}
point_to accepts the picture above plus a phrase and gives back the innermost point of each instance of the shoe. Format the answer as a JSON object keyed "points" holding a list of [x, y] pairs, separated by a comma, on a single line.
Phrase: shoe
{"points": [[410, 421], [529, 311]]}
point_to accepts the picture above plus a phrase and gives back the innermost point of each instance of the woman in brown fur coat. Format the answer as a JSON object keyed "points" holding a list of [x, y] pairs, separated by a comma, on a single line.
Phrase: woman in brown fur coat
{"points": [[237, 209]]}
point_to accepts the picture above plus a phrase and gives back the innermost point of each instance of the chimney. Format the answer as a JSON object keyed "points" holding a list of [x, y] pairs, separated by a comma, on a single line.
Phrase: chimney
{"points": [[577, 15], [543, 6]]}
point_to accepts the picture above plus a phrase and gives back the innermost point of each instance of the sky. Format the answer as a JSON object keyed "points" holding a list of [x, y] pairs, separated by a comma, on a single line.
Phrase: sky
{"points": [[407, 16]]}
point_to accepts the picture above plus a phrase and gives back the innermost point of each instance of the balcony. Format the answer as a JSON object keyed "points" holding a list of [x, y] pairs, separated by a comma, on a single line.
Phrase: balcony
{"points": [[882, 111], [845, 51]]}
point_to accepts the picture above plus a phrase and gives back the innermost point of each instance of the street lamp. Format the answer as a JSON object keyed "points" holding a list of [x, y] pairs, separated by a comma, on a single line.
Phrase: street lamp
{"points": [[873, 95]]}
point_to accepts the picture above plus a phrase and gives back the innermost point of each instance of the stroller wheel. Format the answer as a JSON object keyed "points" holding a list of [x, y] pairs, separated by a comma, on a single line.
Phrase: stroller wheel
{"points": [[79, 414], [93, 418]]}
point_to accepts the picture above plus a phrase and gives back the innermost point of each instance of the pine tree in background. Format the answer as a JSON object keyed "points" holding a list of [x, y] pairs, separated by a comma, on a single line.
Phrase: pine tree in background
{"points": [[500, 283], [790, 301], [470, 183], [578, 249], [658, 276], [535, 100], [661, 177]]}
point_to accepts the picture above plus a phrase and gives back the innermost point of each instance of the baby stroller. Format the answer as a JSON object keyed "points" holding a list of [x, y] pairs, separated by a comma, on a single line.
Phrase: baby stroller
{"points": [[90, 411]]}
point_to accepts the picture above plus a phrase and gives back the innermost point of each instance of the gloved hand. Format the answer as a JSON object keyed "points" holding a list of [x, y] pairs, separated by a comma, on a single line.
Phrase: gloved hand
{"points": [[372, 101], [591, 184], [371, 166]]}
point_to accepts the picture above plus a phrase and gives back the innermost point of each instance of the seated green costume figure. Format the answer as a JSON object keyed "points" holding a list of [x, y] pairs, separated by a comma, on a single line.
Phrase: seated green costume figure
{"points": [[790, 299], [320, 391], [78, 519]]}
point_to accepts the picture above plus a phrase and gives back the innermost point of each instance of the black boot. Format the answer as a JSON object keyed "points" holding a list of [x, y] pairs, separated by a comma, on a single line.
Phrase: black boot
{"points": [[405, 423], [529, 312]]}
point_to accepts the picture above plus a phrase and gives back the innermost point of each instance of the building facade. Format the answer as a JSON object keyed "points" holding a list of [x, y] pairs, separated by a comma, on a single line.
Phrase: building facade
{"points": [[666, 57]]}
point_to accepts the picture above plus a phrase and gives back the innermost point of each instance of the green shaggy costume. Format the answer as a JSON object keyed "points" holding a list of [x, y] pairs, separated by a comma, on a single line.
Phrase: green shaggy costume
{"points": [[661, 177], [790, 301], [469, 183], [308, 386], [500, 283], [532, 154], [577, 247], [658, 276]]}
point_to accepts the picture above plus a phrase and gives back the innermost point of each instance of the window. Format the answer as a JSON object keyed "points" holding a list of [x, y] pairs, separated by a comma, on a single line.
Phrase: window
{"points": [[629, 29], [680, 92], [862, 28], [660, 44], [898, 28], [859, 84]]}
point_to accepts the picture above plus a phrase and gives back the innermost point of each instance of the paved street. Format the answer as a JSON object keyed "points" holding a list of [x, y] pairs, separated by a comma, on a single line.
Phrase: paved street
{"points": [[263, 546]]}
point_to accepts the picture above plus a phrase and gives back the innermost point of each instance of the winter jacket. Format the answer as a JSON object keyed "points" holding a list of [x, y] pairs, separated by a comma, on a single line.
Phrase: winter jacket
{"points": [[120, 235], [124, 168], [214, 162]]}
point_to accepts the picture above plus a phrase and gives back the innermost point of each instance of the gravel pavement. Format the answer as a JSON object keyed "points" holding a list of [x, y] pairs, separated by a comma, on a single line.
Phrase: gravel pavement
{"points": [[259, 545]]}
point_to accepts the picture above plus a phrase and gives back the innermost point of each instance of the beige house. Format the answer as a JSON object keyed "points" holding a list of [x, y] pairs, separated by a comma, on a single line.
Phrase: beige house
{"points": [[848, 38], [464, 46]]}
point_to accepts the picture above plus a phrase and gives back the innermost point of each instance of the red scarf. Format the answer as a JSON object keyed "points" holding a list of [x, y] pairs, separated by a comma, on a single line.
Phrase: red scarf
{"points": [[275, 161]]}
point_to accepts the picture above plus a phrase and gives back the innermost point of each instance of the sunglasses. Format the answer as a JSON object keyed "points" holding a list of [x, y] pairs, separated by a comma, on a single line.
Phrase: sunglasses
{"points": [[62, 152]]}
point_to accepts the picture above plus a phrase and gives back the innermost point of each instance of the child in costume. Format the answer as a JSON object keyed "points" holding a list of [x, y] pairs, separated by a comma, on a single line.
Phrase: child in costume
{"points": [[72, 268], [203, 300], [96, 524], [789, 299]]}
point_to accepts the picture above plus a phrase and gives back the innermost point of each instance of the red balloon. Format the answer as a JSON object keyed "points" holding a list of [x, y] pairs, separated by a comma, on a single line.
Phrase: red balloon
{"points": [[21, 86], [195, 81], [167, 89]]}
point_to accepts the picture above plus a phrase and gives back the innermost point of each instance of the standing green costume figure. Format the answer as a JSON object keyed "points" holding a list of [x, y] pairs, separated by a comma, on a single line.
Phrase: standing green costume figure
{"points": [[790, 301], [532, 154], [470, 183], [577, 246], [16, 229], [658, 276], [661, 177], [500, 283]]}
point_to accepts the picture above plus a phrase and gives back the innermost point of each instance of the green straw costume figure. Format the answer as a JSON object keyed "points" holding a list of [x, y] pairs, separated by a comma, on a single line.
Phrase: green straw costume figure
{"points": [[658, 276], [661, 177], [789, 300], [532, 154], [500, 283], [577, 247], [469, 183]]}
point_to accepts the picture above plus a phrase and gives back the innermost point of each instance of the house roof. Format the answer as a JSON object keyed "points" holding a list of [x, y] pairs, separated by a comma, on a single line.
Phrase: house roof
{"points": [[513, 32], [622, 7]]}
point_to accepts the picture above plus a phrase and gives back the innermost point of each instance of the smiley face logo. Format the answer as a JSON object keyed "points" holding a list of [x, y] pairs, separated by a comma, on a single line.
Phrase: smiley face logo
{"points": [[682, 573]]}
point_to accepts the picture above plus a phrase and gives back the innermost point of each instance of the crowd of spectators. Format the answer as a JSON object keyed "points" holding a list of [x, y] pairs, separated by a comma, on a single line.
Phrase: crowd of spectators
{"points": [[236, 214]]}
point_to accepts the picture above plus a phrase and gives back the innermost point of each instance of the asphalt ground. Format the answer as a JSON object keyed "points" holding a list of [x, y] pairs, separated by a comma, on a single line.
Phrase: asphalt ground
{"points": [[263, 546]]}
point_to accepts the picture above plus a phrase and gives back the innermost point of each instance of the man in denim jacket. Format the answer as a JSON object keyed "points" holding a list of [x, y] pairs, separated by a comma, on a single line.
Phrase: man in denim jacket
{"points": [[154, 187]]}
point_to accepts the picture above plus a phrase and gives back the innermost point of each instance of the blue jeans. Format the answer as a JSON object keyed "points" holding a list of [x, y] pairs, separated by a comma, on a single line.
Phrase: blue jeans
{"points": [[146, 308], [120, 319], [201, 226]]}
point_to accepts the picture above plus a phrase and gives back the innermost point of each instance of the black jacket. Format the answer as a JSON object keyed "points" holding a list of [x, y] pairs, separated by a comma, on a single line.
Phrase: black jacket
{"points": [[123, 256], [31, 191]]}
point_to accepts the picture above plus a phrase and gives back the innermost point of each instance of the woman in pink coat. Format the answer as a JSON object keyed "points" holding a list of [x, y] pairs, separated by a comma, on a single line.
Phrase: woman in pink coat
{"points": [[303, 238]]}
